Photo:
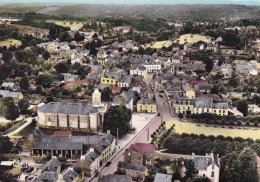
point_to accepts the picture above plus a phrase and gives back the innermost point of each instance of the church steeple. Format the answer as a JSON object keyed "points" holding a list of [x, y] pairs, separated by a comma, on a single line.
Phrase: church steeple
{"points": [[96, 98]]}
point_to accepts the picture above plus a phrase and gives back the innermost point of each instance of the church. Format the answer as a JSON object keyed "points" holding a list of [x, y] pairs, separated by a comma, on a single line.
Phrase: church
{"points": [[73, 115]]}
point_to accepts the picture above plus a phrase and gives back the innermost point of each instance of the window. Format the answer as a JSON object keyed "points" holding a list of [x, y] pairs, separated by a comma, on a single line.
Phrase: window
{"points": [[214, 111], [212, 174]]}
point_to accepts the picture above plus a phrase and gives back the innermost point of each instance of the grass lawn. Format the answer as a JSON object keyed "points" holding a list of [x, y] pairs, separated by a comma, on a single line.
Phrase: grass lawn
{"points": [[158, 44], [192, 38], [2, 124], [27, 130], [10, 42], [186, 127], [73, 25]]}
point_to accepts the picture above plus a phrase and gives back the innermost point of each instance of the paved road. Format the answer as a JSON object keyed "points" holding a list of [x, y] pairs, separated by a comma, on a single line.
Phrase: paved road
{"points": [[28, 121], [141, 137]]}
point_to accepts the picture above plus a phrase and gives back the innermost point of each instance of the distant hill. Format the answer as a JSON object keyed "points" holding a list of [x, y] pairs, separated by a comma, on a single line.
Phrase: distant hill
{"points": [[146, 11]]}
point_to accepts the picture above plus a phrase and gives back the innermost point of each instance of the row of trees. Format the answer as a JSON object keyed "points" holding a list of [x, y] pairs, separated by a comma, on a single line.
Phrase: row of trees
{"points": [[238, 155]]}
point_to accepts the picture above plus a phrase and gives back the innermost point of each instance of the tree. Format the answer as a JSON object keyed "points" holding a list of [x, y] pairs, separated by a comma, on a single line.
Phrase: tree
{"points": [[7, 56], [221, 59], [19, 56], [24, 83], [9, 109], [78, 37], [5, 145], [23, 105], [106, 94], [190, 169], [62, 68], [233, 80], [44, 80], [180, 115], [242, 106], [117, 117], [46, 55]]}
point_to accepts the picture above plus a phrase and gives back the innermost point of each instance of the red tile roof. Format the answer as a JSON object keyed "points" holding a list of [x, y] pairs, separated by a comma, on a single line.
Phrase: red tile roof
{"points": [[143, 148], [196, 82], [116, 88], [62, 133]]}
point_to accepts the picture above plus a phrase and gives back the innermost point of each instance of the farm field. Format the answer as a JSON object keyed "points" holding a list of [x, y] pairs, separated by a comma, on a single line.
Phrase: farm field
{"points": [[158, 44], [10, 42], [72, 25], [192, 38], [186, 127]]}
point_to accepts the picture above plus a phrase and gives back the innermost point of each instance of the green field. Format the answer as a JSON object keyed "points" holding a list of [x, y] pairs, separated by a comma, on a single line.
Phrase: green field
{"points": [[10, 42], [192, 38], [186, 127]]}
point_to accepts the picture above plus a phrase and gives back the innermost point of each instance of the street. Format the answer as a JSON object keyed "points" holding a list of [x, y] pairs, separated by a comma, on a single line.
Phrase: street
{"points": [[141, 137]]}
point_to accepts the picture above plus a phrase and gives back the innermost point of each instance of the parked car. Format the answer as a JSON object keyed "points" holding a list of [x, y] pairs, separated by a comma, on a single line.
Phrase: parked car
{"points": [[108, 163]]}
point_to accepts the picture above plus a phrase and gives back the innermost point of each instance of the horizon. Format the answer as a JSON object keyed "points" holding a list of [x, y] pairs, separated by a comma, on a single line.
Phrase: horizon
{"points": [[137, 2]]}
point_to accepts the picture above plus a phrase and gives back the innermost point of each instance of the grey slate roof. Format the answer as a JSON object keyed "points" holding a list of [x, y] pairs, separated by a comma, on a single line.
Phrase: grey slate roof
{"points": [[91, 157], [202, 162], [220, 105], [130, 166], [113, 75], [7, 93], [51, 165], [115, 178], [203, 103], [159, 177], [68, 175], [145, 100], [44, 141], [8, 84], [138, 67], [68, 108], [48, 176], [126, 79]]}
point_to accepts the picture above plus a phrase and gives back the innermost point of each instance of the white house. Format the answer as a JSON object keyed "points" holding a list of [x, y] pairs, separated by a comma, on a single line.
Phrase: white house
{"points": [[152, 66], [207, 166]]}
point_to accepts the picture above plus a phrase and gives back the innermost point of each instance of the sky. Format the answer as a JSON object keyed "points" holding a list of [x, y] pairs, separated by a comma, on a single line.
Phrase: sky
{"points": [[242, 2]]}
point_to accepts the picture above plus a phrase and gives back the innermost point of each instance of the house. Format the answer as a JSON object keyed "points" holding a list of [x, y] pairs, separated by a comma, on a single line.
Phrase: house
{"points": [[53, 165], [111, 78], [194, 83], [15, 95], [126, 98], [207, 166], [116, 89], [159, 177], [220, 108], [253, 108], [139, 70], [204, 88], [204, 105], [101, 53], [115, 178], [70, 174], [125, 81], [137, 172], [70, 77], [90, 162], [152, 66], [9, 86], [141, 154], [183, 105], [66, 144], [146, 105]]}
